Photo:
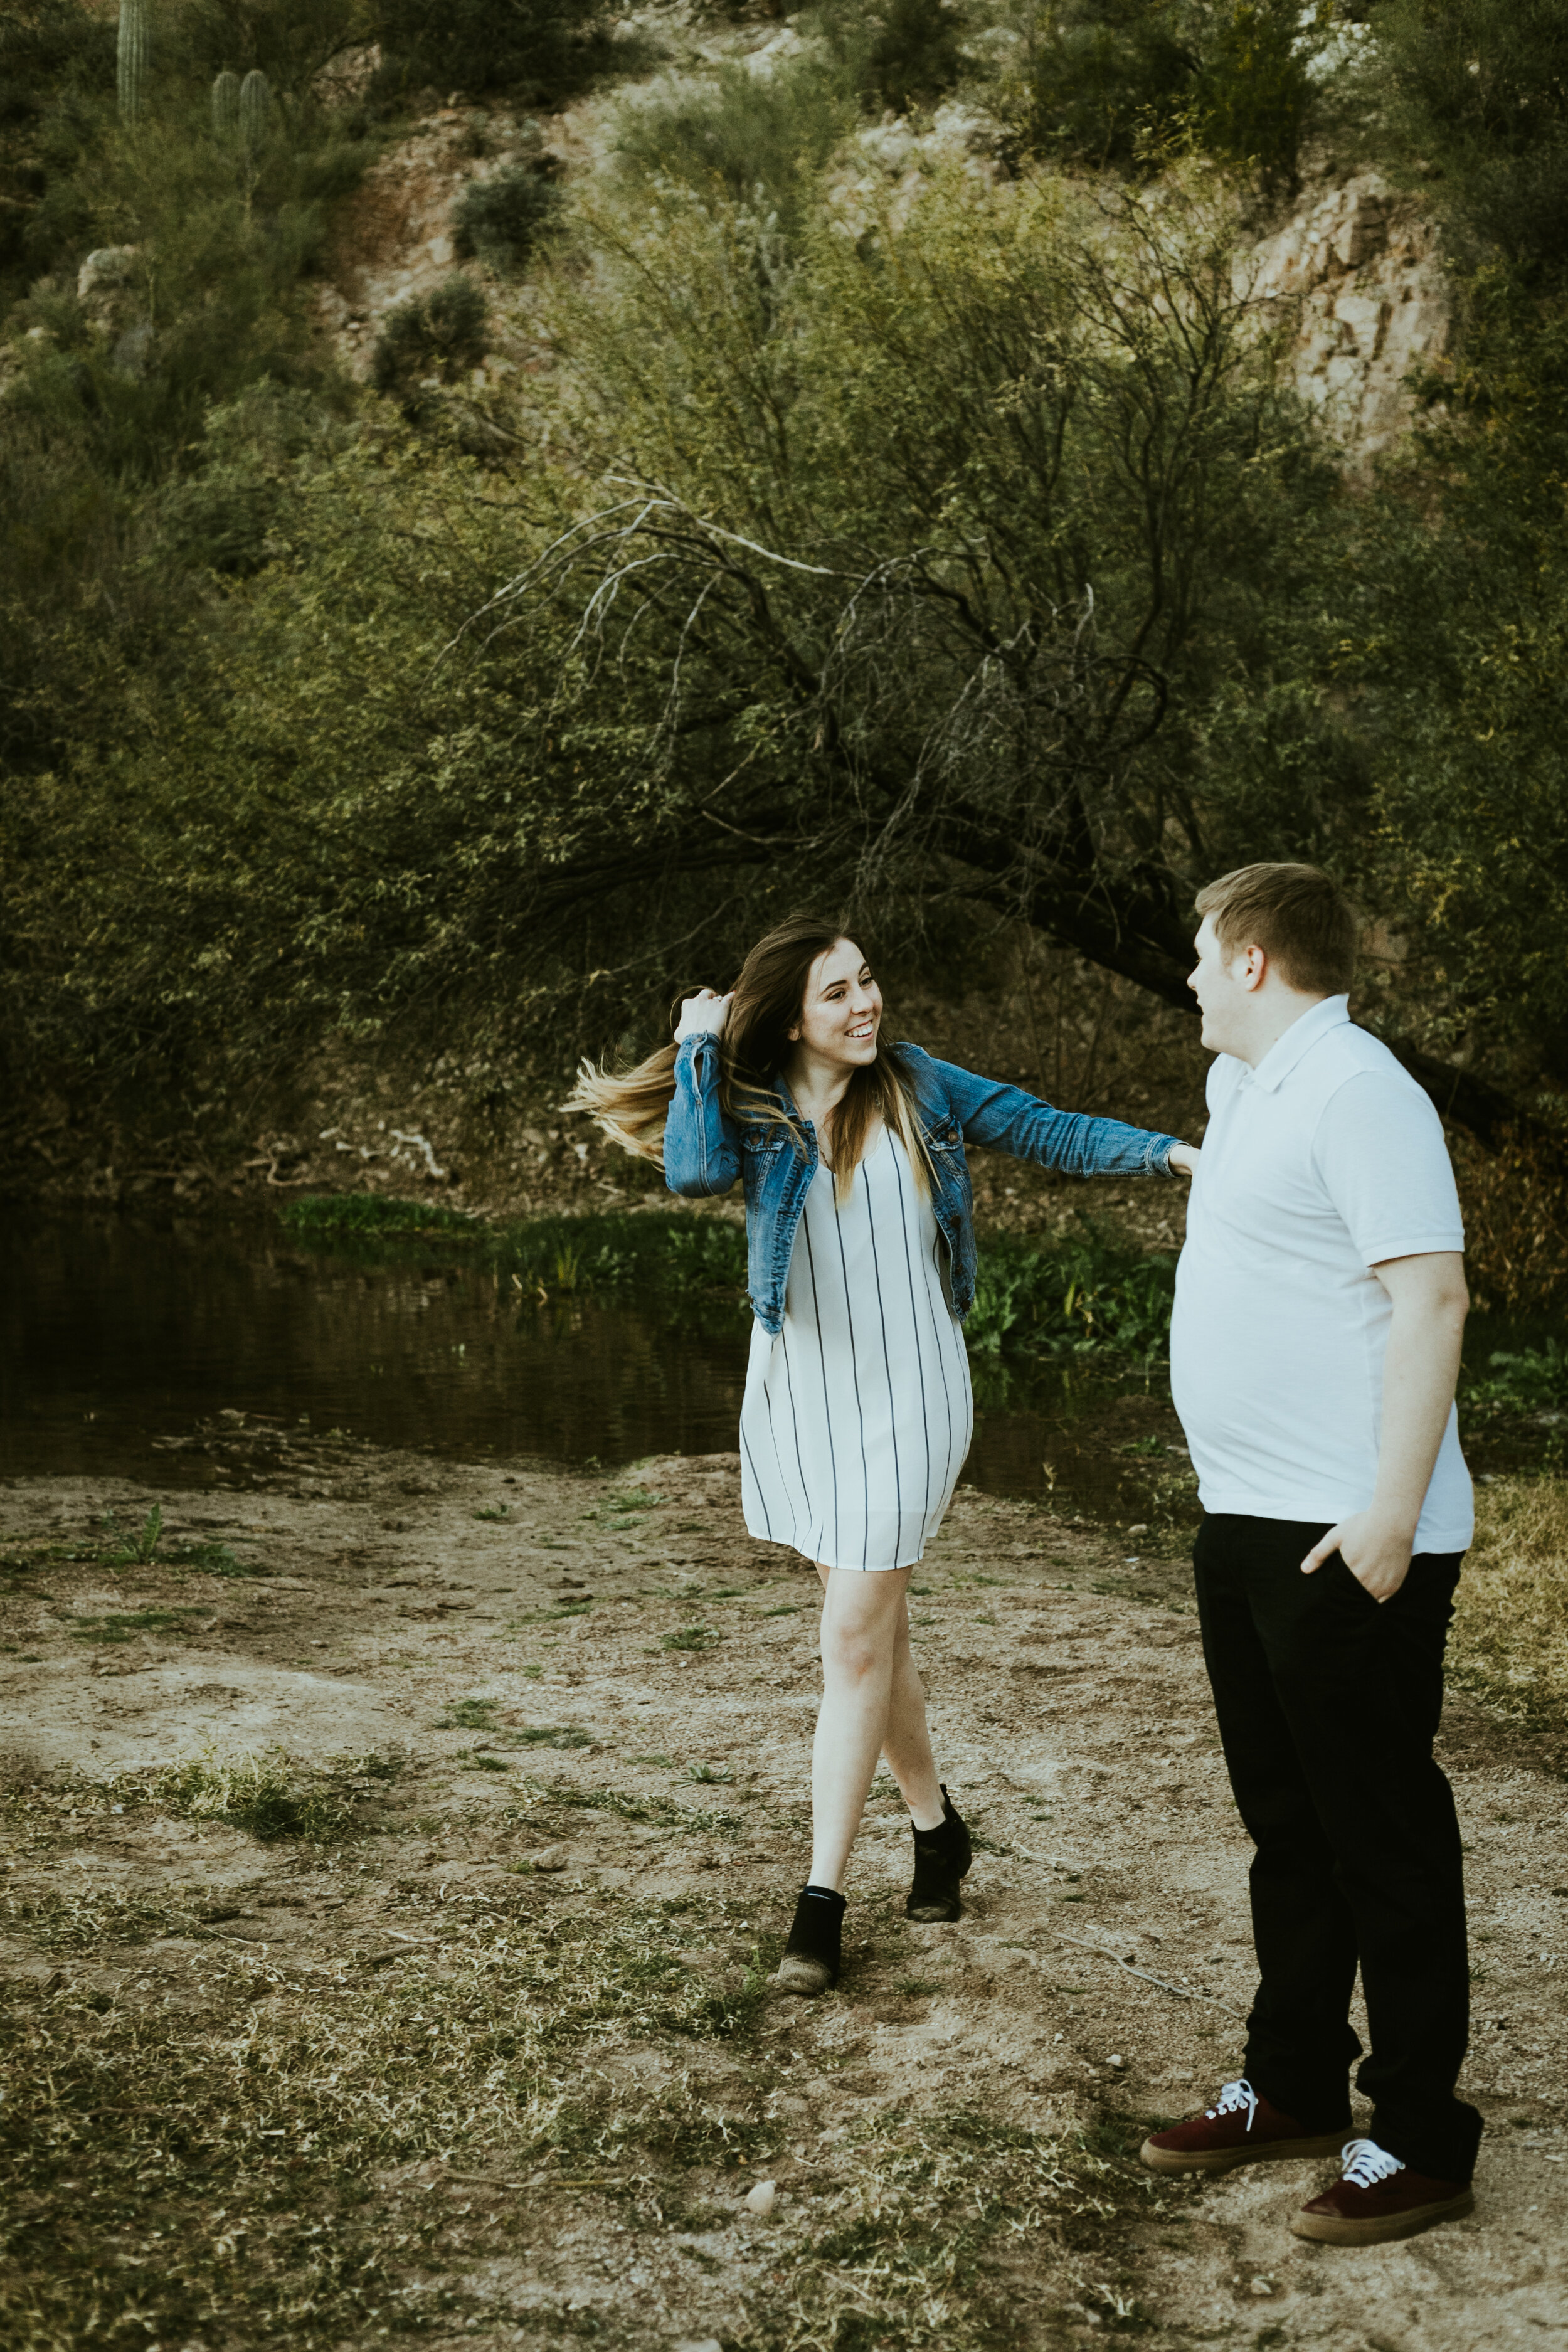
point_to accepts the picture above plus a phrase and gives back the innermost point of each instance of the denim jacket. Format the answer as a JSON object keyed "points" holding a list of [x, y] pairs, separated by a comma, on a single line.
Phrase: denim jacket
{"points": [[705, 1150]]}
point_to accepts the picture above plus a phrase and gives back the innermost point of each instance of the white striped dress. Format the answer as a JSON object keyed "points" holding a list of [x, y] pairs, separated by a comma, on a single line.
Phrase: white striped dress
{"points": [[858, 1416]]}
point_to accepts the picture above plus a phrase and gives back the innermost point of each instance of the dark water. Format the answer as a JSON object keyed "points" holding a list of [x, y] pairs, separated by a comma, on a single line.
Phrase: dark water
{"points": [[115, 1330]]}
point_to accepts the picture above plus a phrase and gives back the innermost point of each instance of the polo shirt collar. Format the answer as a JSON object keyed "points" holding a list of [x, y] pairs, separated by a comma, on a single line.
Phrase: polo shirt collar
{"points": [[1331, 1013]]}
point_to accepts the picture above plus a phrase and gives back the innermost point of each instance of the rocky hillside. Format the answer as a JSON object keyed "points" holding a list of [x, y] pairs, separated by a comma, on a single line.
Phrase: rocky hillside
{"points": [[1355, 266]]}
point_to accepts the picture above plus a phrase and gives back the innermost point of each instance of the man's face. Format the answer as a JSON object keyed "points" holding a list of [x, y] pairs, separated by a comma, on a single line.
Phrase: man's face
{"points": [[1226, 988]]}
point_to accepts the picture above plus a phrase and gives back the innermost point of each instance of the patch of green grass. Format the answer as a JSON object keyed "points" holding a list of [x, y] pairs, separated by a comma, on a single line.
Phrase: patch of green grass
{"points": [[551, 1616], [691, 1637], [264, 1795], [174, 2161], [714, 1775], [909, 2257], [121, 1546], [501, 1511], [335, 1216], [788, 1609], [469, 1714], [620, 1511], [548, 1735], [666, 1763], [124, 1624], [128, 1548]]}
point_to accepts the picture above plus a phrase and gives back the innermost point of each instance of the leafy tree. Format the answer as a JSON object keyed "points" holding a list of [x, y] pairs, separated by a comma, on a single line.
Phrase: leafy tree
{"points": [[539, 50], [1105, 74], [919, 573], [1119, 82], [1454, 611], [57, 91], [744, 140], [1478, 91]]}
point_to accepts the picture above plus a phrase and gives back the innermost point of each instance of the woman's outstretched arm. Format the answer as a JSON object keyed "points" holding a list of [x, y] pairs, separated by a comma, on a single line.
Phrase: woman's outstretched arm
{"points": [[702, 1151], [1005, 1118]]}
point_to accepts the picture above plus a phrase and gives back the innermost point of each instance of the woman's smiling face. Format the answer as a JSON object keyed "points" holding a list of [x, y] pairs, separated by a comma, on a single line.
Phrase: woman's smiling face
{"points": [[842, 1012]]}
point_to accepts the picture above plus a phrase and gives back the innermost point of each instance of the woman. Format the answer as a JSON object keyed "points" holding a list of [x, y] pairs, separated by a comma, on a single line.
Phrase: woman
{"points": [[857, 1412]]}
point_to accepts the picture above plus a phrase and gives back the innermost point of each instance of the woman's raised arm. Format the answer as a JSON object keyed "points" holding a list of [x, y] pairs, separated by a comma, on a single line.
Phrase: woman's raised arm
{"points": [[1007, 1120], [701, 1149]]}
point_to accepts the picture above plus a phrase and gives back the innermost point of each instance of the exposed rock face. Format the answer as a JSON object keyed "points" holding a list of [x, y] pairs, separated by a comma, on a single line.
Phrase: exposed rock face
{"points": [[394, 236], [1374, 304], [106, 271], [393, 239]]}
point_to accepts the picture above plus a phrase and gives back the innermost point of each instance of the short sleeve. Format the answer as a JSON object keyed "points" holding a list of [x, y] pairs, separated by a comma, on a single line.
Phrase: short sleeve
{"points": [[1382, 1158]]}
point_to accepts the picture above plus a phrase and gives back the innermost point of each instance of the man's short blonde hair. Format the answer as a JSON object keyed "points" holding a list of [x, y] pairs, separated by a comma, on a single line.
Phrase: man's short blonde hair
{"points": [[1297, 914]]}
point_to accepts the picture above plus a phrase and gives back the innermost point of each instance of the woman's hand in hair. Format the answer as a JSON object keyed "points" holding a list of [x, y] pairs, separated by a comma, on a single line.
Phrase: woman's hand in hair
{"points": [[1184, 1158], [702, 1015]]}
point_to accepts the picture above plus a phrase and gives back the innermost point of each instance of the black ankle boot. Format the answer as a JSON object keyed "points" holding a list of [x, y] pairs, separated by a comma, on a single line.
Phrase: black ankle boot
{"points": [[943, 1855], [814, 1950]]}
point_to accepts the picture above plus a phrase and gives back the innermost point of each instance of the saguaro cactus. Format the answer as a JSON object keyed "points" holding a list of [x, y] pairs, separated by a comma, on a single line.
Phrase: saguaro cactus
{"points": [[225, 106], [132, 53], [255, 98]]}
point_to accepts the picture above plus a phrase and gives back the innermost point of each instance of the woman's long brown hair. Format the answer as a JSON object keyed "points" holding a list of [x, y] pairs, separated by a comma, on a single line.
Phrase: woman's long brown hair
{"points": [[766, 1005]]}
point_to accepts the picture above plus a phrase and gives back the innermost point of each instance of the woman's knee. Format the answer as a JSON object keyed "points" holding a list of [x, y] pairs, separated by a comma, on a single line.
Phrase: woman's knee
{"points": [[853, 1653]]}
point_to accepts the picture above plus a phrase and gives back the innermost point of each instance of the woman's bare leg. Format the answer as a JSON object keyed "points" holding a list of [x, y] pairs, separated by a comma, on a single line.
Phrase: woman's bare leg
{"points": [[871, 1700], [906, 1741]]}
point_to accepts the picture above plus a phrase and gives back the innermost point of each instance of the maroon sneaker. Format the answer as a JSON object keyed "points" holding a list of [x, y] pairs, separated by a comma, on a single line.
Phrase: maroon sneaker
{"points": [[1240, 2128], [1376, 2197]]}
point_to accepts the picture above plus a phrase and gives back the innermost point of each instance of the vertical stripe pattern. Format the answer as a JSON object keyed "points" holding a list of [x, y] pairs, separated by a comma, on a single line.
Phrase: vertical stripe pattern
{"points": [[858, 1415]]}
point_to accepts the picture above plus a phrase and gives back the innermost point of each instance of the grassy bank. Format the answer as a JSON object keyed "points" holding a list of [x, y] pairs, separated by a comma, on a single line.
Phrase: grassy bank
{"points": [[271, 2152], [1085, 1299], [1087, 1295]]}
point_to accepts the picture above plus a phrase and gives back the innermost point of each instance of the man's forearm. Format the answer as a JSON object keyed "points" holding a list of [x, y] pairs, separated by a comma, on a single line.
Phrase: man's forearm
{"points": [[1420, 1372]]}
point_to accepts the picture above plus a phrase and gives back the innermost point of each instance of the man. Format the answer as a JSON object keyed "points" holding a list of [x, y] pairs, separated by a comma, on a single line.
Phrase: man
{"points": [[1314, 1348]]}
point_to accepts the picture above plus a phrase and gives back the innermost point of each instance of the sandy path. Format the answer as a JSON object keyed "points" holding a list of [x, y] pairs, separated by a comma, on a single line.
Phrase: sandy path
{"points": [[1072, 1723]]}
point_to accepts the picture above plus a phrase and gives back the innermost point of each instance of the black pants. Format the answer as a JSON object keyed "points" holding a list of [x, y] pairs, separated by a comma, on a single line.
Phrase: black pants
{"points": [[1328, 1704]]}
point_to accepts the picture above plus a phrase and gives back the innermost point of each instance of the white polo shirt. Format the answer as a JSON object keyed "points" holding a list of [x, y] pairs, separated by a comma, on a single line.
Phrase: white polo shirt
{"points": [[1322, 1161]]}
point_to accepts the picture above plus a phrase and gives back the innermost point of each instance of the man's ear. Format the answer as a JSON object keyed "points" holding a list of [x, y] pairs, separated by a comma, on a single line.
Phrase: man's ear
{"points": [[1254, 967]]}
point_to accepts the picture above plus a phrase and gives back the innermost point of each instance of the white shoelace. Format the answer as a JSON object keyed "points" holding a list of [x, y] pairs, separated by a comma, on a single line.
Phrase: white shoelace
{"points": [[1366, 2164], [1233, 2097]]}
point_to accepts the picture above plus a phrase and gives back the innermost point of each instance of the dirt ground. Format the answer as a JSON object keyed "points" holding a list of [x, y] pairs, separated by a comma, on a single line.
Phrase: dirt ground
{"points": [[547, 1708]]}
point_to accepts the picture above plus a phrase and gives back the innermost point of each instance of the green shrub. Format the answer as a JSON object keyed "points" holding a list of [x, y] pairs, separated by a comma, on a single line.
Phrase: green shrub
{"points": [[1476, 91], [1082, 1297], [1255, 92], [501, 219], [1112, 80], [899, 55], [740, 137], [442, 336], [914, 56], [1532, 1380], [220, 521], [537, 49], [1106, 73], [323, 1216]]}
